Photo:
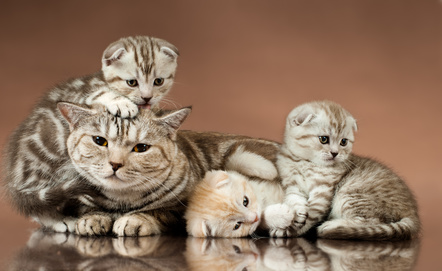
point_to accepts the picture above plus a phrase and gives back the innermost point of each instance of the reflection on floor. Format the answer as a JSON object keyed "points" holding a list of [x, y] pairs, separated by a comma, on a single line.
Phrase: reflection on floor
{"points": [[56, 251]]}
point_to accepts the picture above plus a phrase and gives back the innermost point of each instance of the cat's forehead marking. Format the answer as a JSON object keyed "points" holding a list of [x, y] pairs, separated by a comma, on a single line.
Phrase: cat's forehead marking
{"points": [[144, 55]]}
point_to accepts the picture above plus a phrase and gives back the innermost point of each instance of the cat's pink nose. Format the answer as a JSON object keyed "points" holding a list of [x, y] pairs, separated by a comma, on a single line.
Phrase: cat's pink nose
{"points": [[256, 219]]}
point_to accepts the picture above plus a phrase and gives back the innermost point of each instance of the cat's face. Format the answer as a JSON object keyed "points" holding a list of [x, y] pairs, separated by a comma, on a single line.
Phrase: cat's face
{"points": [[140, 68], [321, 132], [223, 205], [122, 154]]}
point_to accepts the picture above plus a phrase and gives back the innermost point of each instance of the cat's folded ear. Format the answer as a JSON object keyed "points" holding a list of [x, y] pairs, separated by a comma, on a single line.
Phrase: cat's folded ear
{"points": [[174, 120], [113, 53], [74, 113]]}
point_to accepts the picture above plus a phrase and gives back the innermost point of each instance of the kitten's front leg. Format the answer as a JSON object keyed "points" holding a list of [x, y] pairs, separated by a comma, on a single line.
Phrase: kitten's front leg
{"points": [[116, 104], [319, 203], [297, 201]]}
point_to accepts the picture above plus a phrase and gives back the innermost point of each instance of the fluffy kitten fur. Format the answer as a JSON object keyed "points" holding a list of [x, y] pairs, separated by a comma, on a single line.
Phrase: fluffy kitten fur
{"points": [[227, 204], [359, 198], [129, 176]]}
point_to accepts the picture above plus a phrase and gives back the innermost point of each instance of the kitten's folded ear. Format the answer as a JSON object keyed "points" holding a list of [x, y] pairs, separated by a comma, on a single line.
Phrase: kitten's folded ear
{"points": [[301, 115], [113, 53], [198, 227], [168, 49], [74, 113], [217, 178], [174, 120]]}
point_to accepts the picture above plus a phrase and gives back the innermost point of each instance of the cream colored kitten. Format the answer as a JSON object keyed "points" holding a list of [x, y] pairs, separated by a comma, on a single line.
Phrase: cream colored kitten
{"points": [[227, 204]]}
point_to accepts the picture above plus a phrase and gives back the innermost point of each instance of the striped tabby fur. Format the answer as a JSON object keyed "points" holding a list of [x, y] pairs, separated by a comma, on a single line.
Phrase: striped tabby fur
{"points": [[135, 174], [359, 198]]}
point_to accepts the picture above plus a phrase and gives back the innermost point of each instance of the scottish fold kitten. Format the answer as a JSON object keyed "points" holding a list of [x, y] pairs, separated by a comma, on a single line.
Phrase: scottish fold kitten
{"points": [[358, 198], [105, 174], [228, 204]]}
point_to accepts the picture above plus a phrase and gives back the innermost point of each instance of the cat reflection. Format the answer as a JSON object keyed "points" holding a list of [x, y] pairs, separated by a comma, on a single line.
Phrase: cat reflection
{"points": [[59, 251], [241, 254]]}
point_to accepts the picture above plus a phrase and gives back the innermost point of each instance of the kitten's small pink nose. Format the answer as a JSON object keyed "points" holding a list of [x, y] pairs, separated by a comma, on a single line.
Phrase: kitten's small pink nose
{"points": [[115, 166], [256, 219]]}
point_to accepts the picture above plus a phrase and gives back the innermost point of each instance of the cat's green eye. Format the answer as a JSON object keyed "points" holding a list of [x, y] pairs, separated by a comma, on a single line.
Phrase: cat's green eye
{"points": [[101, 141], [237, 226], [132, 83], [245, 201], [141, 148], [158, 81], [344, 142], [324, 139]]}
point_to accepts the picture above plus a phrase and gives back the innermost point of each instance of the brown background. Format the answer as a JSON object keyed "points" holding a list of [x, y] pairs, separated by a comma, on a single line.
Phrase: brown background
{"points": [[244, 65]]}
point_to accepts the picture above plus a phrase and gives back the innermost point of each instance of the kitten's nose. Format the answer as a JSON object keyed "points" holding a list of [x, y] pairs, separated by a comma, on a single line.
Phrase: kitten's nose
{"points": [[334, 154], [115, 166], [147, 100]]}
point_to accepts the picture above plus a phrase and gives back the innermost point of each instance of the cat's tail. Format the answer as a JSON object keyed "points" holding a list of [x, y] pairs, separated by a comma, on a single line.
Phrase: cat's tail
{"points": [[404, 229]]}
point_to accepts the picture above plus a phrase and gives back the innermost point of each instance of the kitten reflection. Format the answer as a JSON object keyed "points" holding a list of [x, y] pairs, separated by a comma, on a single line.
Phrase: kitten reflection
{"points": [[298, 254], [249, 254], [354, 255], [58, 251]]}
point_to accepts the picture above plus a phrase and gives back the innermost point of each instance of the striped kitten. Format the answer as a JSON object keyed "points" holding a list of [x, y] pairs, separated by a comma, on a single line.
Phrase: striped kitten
{"points": [[228, 204], [135, 174], [358, 197]]}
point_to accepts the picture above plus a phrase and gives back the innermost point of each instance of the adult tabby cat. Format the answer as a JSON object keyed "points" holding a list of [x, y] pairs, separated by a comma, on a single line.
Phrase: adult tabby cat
{"points": [[359, 198], [135, 174], [228, 204]]}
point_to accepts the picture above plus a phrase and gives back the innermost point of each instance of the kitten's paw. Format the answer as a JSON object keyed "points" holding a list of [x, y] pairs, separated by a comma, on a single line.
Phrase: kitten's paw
{"points": [[122, 107], [93, 224], [136, 225], [288, 232], [300, 217], [278, 216]]}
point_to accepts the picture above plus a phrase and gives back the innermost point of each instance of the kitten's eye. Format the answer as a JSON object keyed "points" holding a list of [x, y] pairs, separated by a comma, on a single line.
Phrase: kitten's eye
{"points": [[237, 249], [132, 83], [158, 81], [245, 201], [237, 225], [141, 148], [323, 139], [101, 141], [344, 142]]}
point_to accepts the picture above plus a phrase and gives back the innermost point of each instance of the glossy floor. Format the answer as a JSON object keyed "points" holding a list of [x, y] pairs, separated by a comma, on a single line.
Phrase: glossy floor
{"points": [[243, 65], [50, 251]]}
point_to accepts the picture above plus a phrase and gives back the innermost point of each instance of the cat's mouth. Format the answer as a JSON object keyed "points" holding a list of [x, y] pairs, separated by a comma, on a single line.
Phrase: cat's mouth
{"points": [[144, 106]]}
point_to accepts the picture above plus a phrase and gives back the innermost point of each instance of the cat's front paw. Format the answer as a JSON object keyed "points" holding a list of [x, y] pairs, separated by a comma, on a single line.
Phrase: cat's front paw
{"points": [[136, 225], [93, 224], [122, 107], [278, 216], [287, 232]]}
